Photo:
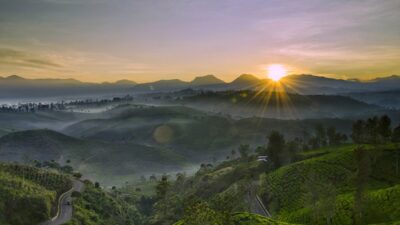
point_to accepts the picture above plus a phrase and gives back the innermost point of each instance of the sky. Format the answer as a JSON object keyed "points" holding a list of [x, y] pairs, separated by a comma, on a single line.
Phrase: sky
{"points": [[146, 40]]}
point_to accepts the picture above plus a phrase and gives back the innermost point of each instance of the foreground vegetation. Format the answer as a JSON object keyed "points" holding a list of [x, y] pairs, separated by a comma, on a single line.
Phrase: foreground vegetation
{"points": [[28, 195]]}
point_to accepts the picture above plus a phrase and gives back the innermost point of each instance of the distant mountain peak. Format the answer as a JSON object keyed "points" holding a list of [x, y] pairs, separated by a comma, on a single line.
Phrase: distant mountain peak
{"points": [[125, 82], [388, 78], [14, 77], [206, 80], [246, 77]]}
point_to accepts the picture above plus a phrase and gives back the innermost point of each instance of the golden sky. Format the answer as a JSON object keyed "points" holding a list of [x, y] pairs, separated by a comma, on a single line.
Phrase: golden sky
{"points": [[99, 40]]}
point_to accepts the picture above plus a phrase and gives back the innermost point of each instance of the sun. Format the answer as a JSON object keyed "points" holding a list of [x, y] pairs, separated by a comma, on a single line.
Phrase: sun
{"points": [[276, 72]]}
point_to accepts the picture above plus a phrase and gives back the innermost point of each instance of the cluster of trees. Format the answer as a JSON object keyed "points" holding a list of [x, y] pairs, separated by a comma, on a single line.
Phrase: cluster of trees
{"points": [[57, 106], [326, 137], [32, 107], [375, 130], [281, 151]]}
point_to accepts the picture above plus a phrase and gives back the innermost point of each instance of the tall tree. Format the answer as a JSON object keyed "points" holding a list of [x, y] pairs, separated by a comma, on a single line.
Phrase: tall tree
{"points": [[396, 134], [162, 187], [244, 150], [358, 132], [363, 170], [276, 145], [384, 128], [320, 134], [334, 137], [372, 131]]}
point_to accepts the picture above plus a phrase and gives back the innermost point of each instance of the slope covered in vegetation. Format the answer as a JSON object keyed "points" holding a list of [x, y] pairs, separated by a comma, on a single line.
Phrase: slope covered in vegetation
{"points": [[352, 183], [97, 207], [28, 195]]}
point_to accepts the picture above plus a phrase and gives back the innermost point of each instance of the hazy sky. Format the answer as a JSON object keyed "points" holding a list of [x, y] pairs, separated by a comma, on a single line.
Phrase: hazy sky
{"points": [[143, 40]]}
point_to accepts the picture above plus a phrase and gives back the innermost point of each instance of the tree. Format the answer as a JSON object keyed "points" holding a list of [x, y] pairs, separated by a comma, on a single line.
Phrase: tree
{"points": [[77, 175], [180, 181], [292, 147], [384, 128], [396, 135], [276, 145], [320, 134], [162, 187], [373, 131], [335, 138], [233, 152], [358, 132], [361, 179], [153, 177], [244, 150], [371, 128]]}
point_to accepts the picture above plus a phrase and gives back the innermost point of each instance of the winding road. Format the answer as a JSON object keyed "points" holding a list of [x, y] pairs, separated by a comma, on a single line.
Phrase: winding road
{"points": [[255, 202], [64, 212]]}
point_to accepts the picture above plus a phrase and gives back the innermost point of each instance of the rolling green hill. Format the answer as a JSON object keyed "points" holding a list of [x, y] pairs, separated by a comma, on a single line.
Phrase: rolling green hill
{"points": [[324, 188], [336, 185], [190, 132]]}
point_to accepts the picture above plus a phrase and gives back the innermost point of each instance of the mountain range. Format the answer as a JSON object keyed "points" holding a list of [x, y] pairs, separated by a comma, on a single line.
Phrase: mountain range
{"points": [[18, 87]]}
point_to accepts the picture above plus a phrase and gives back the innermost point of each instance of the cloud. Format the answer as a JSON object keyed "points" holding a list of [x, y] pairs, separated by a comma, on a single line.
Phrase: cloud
{"points": [[9, 56]]}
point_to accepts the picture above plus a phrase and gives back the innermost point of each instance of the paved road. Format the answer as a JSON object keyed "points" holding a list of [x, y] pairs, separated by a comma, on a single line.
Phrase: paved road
{"points": [[65, 213], [255, 202]]}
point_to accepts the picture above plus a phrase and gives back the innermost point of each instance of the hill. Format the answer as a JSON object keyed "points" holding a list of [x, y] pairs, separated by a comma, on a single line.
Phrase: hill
{"points": [[322, 186], [245, 81], [42, 145], [388, 99], [96, 206], [206, 80], [278, 105], [29, 195], [192, 133], [331, 183], [117, 162]]}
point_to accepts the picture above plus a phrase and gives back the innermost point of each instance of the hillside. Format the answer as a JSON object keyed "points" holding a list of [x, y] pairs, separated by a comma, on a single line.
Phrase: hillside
{"points": [[278, 105], [206, 80], [117, 162], [322, 186], [389, 99], [98, 207], [29, 195], [42, 145], [50, 119], [294, 192], [192, 133]]}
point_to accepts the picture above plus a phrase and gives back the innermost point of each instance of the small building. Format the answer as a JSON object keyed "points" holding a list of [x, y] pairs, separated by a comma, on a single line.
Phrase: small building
{"points": [[262, 158]]}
